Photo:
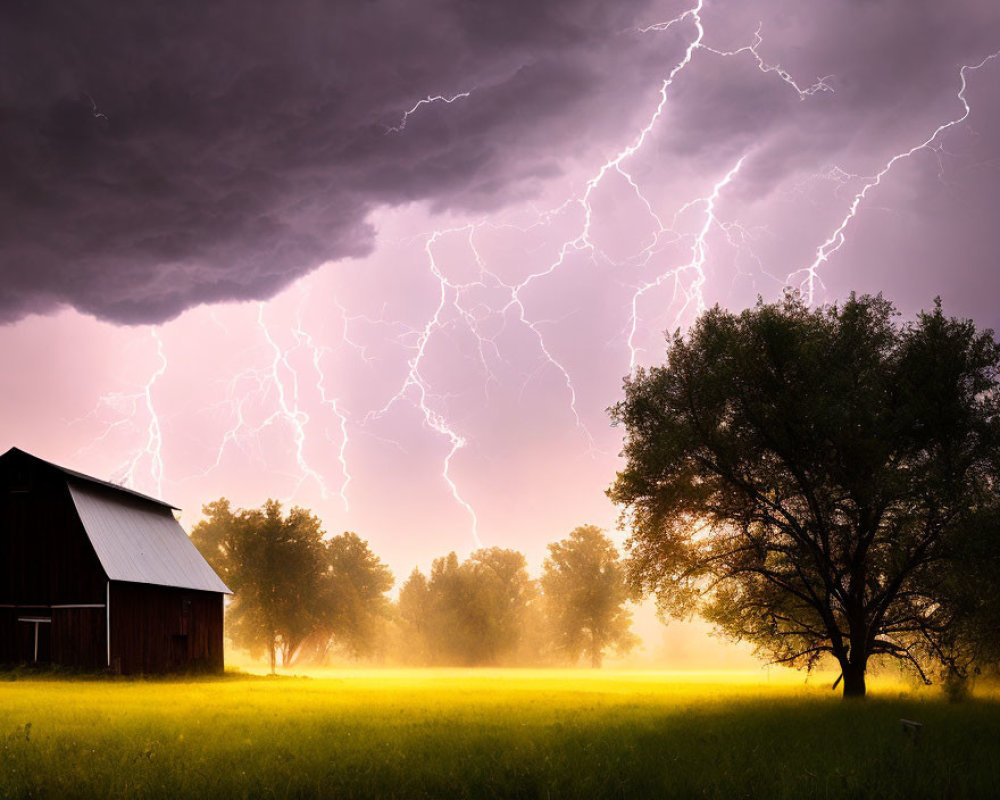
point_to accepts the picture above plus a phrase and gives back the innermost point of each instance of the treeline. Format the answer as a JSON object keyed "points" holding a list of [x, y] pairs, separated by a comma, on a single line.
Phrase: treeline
{"points": [[301, 597]]}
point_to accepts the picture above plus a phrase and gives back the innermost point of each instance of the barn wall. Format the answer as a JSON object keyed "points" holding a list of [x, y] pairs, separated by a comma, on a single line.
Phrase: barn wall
{"points": [[45, 555], [8, 636], [79, 637], [75, 637], [47, 560], [164, 629]]}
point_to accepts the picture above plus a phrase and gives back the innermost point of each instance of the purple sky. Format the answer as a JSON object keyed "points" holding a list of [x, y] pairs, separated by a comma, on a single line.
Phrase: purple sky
{"points": [[241, 257]]}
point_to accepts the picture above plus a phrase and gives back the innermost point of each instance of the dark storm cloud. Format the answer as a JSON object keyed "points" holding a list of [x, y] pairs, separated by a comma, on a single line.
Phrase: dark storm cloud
{"points": [[159, 155], [893, 66]]}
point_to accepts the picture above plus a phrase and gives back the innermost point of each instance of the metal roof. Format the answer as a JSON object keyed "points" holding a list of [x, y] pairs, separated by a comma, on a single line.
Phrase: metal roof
{"points": [[139, 542]]}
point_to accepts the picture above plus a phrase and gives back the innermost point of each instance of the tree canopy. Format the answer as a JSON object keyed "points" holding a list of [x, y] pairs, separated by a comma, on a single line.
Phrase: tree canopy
{"points": [[471, 612], [807, 478], [295, 591], [585, 593], [351, 606]]}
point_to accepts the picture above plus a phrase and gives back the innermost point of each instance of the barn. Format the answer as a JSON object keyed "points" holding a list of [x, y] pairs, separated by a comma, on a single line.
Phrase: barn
{"points": [[95, 576]]}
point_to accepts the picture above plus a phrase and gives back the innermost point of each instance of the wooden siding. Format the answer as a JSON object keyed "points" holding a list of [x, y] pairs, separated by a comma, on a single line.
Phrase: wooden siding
{"points": [[45, 555], [79, 637], [47, 560], [164, 629], [9, 646], [75, 637]]}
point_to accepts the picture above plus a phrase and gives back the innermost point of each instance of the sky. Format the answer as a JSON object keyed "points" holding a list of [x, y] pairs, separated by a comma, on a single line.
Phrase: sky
{"points": [[391, 261]]}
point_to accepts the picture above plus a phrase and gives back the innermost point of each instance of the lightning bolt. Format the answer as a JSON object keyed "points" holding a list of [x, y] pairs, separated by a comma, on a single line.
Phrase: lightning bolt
{"points": [[130, 407], [416, 385], [94, 111], [288, 409], [333, 403], [153, 449], [278, 384], [582, 242], [821, 84], [693, 294], [437, 98], [693, 299], [808, 276]]}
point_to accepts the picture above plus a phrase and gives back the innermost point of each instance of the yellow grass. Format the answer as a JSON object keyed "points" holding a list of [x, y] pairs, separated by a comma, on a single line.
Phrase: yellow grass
{"points": [[490, 733]]}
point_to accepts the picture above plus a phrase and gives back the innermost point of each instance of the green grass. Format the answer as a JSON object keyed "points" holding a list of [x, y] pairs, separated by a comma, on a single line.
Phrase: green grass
{"points": [[511, 733]]}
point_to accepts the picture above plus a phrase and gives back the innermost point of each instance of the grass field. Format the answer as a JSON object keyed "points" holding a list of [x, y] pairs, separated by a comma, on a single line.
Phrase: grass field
{"points": [[510, 733]]}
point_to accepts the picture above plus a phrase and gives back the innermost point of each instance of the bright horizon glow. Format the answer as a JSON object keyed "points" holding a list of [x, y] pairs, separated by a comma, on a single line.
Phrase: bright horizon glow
{"points": [[703, 684]]}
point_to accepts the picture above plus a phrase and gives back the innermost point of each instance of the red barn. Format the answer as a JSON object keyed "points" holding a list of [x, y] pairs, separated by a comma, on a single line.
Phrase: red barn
{"points": [[96, 576]]}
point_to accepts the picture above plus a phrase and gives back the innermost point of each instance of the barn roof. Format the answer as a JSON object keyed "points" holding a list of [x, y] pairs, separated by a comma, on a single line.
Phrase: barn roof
{"points": [[141, 543], [135, 536]]}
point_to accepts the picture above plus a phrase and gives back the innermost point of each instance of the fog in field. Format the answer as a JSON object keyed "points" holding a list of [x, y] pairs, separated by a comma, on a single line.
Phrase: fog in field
{"points": [[684, 646]]}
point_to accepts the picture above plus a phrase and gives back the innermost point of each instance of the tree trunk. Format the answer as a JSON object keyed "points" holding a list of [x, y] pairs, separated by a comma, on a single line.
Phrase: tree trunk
{"points": [[271, 654], [854, 680], [854, 663], [596, 656]]}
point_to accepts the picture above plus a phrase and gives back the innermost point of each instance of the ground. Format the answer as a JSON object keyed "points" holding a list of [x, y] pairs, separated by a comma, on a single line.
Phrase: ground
{"points": [[512, 733]]}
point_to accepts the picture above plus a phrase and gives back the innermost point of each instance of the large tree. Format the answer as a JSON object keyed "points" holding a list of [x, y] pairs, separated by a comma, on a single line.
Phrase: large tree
{"points": [[806, 477], [585, 595], [274, 565]]}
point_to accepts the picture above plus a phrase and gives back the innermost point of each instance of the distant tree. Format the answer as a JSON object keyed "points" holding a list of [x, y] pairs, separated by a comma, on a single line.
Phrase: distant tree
{"points": [[504, 593], [351, 606], [415, 619], [471, 612], [585, 595], [295, 592], [806, 477], [212, 535], [274, 565]]}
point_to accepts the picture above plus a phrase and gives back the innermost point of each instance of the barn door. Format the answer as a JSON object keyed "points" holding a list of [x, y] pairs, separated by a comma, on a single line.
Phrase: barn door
{"points": [[34, 640]]}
